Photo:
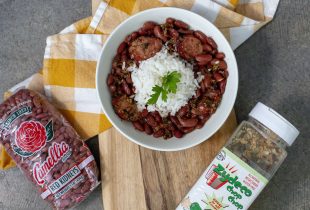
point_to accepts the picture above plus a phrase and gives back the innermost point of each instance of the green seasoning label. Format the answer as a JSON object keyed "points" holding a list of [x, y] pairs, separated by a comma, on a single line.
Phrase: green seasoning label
{"points": [[15, 115], [228, 183]]}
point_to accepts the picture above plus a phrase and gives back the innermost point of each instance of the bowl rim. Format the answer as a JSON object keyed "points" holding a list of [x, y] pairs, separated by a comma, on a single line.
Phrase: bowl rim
{"points": [[217, 127]]}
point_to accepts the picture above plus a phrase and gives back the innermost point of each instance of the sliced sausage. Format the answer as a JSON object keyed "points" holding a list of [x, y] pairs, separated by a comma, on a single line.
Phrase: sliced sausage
{"points": [[144, 47], [126, 108], [189, 47]]}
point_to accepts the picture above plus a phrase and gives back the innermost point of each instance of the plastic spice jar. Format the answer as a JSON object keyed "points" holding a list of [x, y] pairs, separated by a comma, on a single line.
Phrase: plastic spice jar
{"points": [[245, 164]]}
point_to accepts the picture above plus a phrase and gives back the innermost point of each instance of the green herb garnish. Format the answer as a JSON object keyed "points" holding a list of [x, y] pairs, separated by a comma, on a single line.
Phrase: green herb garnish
{"points": [[169, 85]]}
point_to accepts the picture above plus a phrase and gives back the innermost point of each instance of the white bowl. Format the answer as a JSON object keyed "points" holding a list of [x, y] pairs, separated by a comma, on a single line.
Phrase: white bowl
{"points": [[104, 67]]}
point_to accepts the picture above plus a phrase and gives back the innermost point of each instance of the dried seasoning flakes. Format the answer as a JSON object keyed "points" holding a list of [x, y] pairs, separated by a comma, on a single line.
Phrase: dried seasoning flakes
{"points": [[254, 147]]}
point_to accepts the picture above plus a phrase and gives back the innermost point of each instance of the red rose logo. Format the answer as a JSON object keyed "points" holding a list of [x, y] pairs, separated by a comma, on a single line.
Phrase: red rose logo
{"points": [[31, 136]]}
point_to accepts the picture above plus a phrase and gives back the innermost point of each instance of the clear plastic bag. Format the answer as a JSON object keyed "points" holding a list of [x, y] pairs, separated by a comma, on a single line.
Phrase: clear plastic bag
{"points": [[47, 149]]}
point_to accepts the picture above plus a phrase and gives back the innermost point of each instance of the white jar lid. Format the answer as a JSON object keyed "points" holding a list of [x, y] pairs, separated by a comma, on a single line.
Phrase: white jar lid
{"points": [[275, 122]]}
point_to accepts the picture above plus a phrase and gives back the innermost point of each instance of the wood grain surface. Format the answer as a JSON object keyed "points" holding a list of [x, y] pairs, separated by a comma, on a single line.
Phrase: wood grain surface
{"points": [[134, 177]]}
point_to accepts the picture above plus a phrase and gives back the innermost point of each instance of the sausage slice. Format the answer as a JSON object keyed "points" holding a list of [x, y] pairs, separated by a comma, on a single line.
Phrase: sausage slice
{"points": [[144, 47], [125, 108], [189, 47]]}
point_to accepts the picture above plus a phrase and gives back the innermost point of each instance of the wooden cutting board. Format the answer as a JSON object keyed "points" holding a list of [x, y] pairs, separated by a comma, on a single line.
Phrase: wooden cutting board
{"points": [[137, 178]]}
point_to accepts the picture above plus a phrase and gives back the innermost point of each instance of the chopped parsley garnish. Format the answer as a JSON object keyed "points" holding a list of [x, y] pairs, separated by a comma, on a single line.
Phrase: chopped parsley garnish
{"points": [[169, 85]]}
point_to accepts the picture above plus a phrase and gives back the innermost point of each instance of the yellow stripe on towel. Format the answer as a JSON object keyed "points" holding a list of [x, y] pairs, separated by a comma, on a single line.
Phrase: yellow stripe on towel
{"points": [[84, 122]]}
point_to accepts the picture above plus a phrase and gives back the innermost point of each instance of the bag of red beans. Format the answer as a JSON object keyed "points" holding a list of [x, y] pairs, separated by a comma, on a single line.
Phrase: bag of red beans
{"points": [[47, 149]]}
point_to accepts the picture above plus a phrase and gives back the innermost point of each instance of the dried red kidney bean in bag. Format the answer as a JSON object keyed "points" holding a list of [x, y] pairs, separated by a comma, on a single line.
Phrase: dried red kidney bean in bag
{"points": [[47, 149]]}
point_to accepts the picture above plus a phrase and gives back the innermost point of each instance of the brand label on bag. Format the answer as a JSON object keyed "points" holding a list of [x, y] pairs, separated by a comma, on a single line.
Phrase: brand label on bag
{"points": [[55, 153], [228, 183]]}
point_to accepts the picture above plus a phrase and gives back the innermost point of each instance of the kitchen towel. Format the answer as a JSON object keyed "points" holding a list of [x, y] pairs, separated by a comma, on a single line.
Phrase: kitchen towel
{"points": [[68, 75]]}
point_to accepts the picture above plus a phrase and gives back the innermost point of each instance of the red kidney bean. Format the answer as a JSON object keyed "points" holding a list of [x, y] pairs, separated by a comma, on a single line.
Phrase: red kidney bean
{"points": [[202, 87], [138, 126], [200, 124], [150, 33], [128, 79], [223, 65], [159, 133], [118, 71], [115, 101], [183, 111], [64, 168], [124, 57], [188, 130], [178, 133], [211, 42], [119, 91], [148, 130], [218, 77], [188, 122], [149, 25], [151, 121], [157, 117], [158, 32], [185, 31], [204, 117], [207, 48], [203, 59], [110, 79], [214, 52], [207, 81], [64, 203], [121, 47], [197, 93], [201, 36], [115, 62], [144, 113], [220, 55], [175, 120], [41, 116], [36, 102], [226, 74], [174, 33], [126, 88], [85, 188], [142, 32], [170, 20], [131, 37], [181, 24], [134, 35], [128, 39], [222, 85], [39, 111], [215, 61]]}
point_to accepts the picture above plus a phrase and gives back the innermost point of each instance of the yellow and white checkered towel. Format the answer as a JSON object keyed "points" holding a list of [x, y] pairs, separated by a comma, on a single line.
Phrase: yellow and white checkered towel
{"points": [[68, 74]]}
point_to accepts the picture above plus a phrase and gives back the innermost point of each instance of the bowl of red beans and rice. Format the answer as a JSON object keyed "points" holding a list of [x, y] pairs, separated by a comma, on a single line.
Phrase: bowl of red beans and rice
{"points": [[167, 79]]}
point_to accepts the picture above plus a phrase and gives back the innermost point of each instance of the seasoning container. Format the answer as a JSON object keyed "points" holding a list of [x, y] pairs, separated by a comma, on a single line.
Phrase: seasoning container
{"points": [[245, 164]]}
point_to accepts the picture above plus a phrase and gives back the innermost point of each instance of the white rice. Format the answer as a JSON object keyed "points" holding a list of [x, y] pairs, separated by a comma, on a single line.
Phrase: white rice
{"points": [[151, 72]]}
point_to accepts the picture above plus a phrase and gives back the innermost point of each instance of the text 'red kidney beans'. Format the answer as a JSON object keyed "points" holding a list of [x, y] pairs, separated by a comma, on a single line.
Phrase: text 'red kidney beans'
{"points": [[47, 149]]}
